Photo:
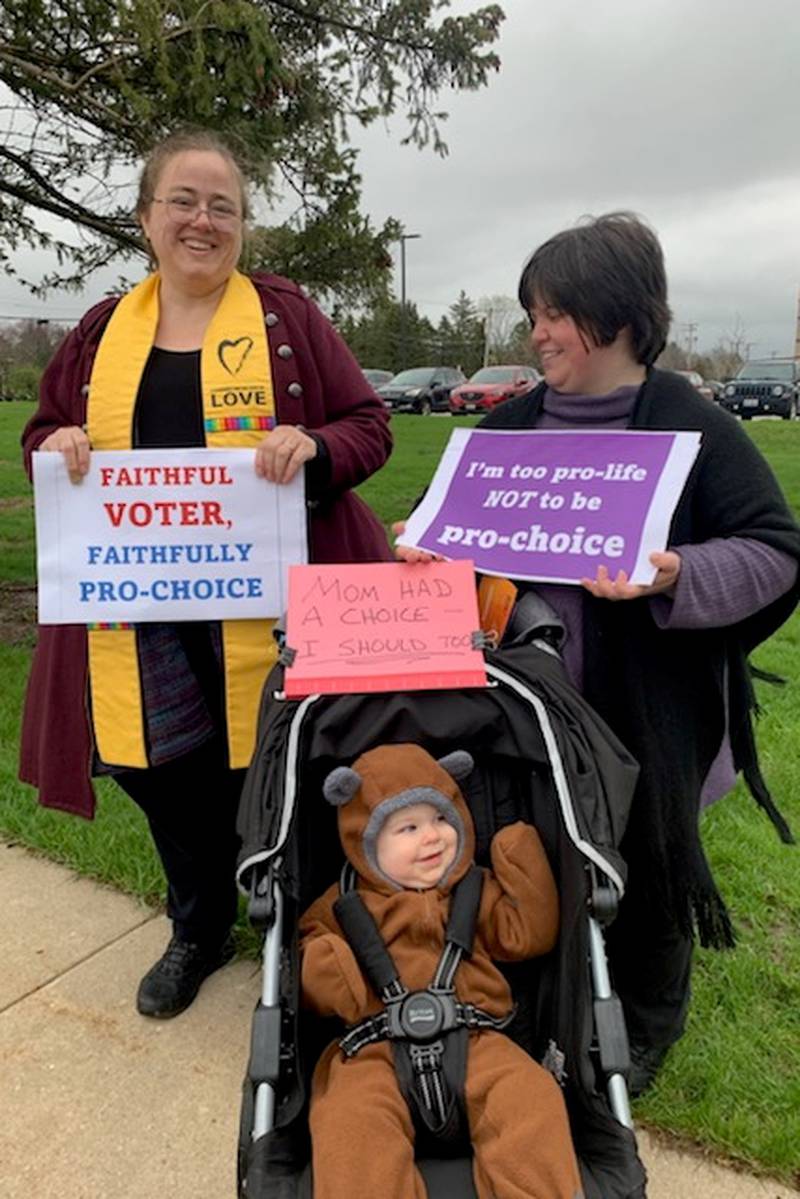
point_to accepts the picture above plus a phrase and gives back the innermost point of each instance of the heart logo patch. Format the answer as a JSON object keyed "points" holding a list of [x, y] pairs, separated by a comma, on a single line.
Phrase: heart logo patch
{"points": [[233, 353]]}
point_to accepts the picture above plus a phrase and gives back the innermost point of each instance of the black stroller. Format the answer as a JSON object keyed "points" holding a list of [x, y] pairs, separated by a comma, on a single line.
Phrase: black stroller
{"points": [[541, 755]]}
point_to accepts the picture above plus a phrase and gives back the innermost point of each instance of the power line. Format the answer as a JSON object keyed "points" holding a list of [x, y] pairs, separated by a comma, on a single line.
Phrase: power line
{"points": [[39, 320]]}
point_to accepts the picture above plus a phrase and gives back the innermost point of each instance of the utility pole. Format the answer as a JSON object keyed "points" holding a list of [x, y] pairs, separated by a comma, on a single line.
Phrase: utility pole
{"points": [[403, 238], [487, 332], [691, 338], [797, 329]]}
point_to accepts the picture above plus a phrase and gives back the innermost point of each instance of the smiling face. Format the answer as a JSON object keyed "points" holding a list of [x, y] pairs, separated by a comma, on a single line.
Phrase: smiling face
{"points": [[194, 256], [416, 846], [572, 362], [567, 353]]}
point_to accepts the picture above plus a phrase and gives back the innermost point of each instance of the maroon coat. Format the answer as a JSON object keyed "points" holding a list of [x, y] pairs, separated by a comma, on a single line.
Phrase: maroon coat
{"points": [[317, 384]]}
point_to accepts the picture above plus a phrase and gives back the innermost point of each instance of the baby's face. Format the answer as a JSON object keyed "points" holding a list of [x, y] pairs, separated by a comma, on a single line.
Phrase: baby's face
{"points": [[415, 846]]}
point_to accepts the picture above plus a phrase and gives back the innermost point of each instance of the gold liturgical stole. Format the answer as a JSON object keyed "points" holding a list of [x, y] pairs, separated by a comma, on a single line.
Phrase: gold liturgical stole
{"points": [[238, 408]]}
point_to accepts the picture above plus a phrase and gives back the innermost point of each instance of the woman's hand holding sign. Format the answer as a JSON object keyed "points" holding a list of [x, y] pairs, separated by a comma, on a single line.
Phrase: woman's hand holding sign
{"points": [[668, 566], [407, 553], [282, 452], [73, 443], [603, 586]]}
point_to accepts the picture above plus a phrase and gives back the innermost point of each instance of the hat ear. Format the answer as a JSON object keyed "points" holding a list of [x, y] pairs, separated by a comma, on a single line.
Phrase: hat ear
{"points": [[458, 764], [341, 785]]}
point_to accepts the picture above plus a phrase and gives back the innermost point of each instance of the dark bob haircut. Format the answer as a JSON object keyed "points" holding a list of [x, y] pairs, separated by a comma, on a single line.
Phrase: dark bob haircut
{"points": [[608, 274]]}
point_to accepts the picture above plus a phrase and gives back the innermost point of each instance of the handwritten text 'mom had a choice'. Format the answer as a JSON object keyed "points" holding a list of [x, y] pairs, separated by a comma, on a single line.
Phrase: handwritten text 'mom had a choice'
{"points": [[400, 601]]}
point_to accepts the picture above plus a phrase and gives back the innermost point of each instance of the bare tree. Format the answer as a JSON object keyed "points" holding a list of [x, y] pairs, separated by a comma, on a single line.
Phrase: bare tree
{"points": [[501, 315]]}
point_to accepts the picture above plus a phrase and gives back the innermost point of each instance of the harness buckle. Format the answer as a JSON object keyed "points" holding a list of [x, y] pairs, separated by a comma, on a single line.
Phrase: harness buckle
{"points": [[469, 1016], [421, 1016], [427, 1059]]}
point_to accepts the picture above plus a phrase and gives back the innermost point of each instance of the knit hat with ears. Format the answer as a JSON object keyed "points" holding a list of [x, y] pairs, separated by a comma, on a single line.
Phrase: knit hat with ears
{"points": [[387, 779]]}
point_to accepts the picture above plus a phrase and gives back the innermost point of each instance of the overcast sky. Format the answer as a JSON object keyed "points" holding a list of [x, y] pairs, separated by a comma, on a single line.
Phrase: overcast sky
{"points": [[685, 111]]}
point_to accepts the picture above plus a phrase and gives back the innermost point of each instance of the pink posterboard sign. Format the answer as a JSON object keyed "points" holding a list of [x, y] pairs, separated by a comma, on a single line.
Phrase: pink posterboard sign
{"points": [[382, 626]]}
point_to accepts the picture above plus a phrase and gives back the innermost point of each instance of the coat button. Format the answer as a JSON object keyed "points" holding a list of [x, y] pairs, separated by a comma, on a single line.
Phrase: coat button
{"points": [[285, 351], [295, 389], [272, 319], [85, 389]]}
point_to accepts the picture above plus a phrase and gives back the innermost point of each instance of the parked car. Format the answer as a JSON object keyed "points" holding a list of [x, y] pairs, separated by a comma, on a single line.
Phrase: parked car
{"points": [[699, 383], [767, 388], [490, 386], [717, 388], [376, 377], [423, 389]]}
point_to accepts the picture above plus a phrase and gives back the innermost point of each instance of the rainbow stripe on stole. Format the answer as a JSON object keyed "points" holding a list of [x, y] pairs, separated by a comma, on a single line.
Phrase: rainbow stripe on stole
{"points": [[234, 360]]}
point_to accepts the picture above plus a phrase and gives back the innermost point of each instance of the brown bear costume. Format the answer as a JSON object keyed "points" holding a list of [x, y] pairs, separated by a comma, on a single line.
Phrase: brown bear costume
{"points": [[361, 1128]]}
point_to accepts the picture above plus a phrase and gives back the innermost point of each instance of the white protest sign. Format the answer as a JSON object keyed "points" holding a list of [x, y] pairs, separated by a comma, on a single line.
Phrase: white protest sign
{"points": [[164, 535]]}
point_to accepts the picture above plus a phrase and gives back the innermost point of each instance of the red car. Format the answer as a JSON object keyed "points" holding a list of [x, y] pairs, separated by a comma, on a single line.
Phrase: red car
{"points": [[490, 386]]}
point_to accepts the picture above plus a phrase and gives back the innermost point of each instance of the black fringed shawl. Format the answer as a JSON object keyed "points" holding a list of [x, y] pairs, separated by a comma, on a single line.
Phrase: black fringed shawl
{"points": [[661, 691]]}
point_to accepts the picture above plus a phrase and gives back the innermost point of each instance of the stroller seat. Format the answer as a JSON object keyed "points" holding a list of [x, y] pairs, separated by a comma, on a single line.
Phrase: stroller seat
{"points": [[541, 755]]}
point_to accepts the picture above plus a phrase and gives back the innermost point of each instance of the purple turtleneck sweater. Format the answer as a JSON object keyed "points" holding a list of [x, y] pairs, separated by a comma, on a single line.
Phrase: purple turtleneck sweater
{"points": [[721, 582]]}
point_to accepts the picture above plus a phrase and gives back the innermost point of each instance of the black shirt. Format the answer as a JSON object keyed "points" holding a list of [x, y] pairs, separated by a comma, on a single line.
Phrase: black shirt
{"points": [[169, 406]]}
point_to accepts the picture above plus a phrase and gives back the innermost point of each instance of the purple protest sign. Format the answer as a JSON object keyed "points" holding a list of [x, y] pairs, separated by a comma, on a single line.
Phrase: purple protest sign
{"points": [[551, 505]]}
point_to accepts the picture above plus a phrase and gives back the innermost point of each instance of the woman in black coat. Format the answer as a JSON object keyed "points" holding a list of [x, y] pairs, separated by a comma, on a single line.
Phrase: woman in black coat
{"points": [[665, 664]]}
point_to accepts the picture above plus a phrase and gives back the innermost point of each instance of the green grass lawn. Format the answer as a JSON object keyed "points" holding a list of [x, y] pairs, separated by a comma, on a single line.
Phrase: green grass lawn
{"points": [[733, 1083]]}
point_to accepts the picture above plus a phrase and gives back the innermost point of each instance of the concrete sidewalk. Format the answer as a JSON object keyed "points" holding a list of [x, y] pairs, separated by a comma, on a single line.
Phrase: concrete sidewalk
{"points": [[98, 1102]]}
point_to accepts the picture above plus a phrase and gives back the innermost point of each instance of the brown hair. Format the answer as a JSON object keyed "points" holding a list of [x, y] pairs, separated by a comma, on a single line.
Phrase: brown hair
{"points": [[608, 274], [178, 143]]}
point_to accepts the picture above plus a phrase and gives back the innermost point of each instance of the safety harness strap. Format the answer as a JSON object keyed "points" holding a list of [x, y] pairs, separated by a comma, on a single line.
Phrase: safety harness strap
{"points": [[426, 1029], [432, 1084], [426, 1063], [361, 933], [463, 917], [379, 1028]]}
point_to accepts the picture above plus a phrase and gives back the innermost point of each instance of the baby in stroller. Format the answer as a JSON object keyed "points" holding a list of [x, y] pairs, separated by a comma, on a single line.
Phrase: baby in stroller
{"points": [[404, 958]]}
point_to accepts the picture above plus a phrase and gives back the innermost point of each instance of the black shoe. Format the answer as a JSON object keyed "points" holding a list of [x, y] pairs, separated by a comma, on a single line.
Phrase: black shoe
{"points": [[646, 1061], [172, 983]]}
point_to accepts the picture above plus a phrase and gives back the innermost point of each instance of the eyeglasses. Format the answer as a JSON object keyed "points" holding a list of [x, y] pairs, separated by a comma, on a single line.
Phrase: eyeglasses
{"points": [[184, 211]]}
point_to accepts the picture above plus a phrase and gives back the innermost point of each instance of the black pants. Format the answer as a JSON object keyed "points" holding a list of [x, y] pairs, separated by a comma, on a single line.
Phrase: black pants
{"points": [[191, 805], [651, 964]]}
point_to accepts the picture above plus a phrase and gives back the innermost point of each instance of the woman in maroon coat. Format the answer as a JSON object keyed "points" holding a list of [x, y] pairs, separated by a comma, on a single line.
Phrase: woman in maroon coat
{"points": [[319, 414]]}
